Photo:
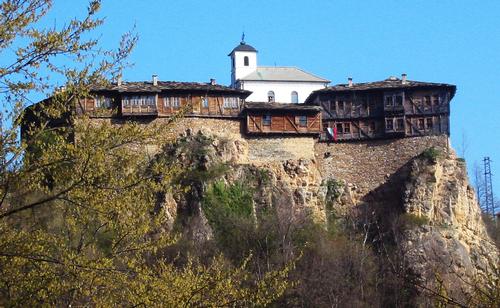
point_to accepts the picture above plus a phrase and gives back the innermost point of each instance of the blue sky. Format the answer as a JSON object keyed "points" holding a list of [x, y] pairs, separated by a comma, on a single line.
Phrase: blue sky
{"points": [[450, 41]]}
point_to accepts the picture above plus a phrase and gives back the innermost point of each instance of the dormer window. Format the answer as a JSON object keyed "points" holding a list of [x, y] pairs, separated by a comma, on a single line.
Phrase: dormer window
{"points": [[246, 62], [270, 96]]}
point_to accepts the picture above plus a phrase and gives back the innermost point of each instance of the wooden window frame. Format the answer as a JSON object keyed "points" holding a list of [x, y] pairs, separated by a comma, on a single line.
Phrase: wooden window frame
{"points": [[427, 122], [347, 128], [391, 122], [267, 119], [302, 121], [421, 121], [398, 122], [204, 103]]}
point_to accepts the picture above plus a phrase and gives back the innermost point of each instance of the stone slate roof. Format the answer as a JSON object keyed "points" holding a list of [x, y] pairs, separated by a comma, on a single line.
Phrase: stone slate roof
{"points": [[280, 106], [389, 83], [282, 73], [243, 47], [147, 86]]}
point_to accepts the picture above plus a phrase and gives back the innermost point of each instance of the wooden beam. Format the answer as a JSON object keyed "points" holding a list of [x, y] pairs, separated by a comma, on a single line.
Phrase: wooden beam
{"points": [[255, 122], [221, 109], [293, 124], [327, 111], [361, 131], [314, 121]]}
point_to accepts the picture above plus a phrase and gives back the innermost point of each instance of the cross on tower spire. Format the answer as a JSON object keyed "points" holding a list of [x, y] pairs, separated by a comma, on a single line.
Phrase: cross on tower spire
{"points": [[243, 38]]}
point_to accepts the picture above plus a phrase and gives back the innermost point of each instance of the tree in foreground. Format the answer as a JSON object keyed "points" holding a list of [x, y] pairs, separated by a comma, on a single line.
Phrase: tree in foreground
{"points": [[77, 203]]}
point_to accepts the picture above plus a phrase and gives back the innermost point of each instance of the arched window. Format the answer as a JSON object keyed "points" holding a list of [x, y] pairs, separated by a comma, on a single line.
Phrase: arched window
{"points": [[270, 96], [245, 61], [295, 97]]}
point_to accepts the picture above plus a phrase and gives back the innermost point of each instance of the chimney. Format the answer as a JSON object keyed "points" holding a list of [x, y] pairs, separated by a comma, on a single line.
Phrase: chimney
{"points": [[119, 80], [212, 82], [403, 78], [349, 80], [155, 80]]}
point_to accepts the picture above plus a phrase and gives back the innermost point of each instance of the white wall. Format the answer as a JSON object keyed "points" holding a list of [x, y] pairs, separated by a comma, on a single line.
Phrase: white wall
{"points": [[282, 90], [239, 70]]}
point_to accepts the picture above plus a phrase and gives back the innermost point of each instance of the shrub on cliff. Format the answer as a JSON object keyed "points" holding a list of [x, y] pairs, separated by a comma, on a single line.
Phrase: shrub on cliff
{"points": [[432, 154]]}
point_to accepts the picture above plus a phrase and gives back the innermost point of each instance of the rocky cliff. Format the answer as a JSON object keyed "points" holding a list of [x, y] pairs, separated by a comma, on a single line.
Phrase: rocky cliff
{"points": [[426, 208]]}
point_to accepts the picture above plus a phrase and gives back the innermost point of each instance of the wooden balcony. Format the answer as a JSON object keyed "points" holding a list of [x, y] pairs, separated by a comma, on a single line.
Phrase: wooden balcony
{"points": [[139, 110]]}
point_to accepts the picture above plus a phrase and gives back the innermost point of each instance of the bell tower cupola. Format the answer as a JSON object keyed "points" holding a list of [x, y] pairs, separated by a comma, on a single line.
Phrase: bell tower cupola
{"points": [[243, 61]]}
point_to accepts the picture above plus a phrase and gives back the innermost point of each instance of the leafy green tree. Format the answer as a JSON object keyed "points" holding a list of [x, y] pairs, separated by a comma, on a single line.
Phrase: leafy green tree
{"points": [[78, 212]]}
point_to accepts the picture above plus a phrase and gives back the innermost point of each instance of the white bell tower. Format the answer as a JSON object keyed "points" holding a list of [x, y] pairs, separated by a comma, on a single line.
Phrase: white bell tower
{"points": [[243, 61]]}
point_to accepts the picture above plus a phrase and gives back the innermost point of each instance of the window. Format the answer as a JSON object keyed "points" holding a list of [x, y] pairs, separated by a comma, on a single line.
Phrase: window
{"points": [[394, 99], [427, 102], [420, 123], [428, 123], [174, 102], [295, 97], [388, 101], [235, 103], [435, 100], [364, 104], [303, 121], [340, 106], [340, 129], [399, 100], [347, 128], [389, 124], [371, 127], [245, 61], [103, 102], [270, 96], [400, 124], [231, 102], [266, 120], [204, 102], [144, 100]]}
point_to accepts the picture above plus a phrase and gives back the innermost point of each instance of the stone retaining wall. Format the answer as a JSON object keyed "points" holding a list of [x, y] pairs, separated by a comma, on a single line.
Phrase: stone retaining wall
{"points": [[266, 149], [368, 164]]}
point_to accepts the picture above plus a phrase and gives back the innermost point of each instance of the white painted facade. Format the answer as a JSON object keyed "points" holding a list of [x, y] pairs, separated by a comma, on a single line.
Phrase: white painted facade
{"points": [[289, 84], [282, 90]]}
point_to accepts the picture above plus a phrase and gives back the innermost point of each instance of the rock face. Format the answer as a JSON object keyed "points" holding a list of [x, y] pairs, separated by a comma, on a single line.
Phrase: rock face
{"points": [[453, 240], [445, 231]]}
